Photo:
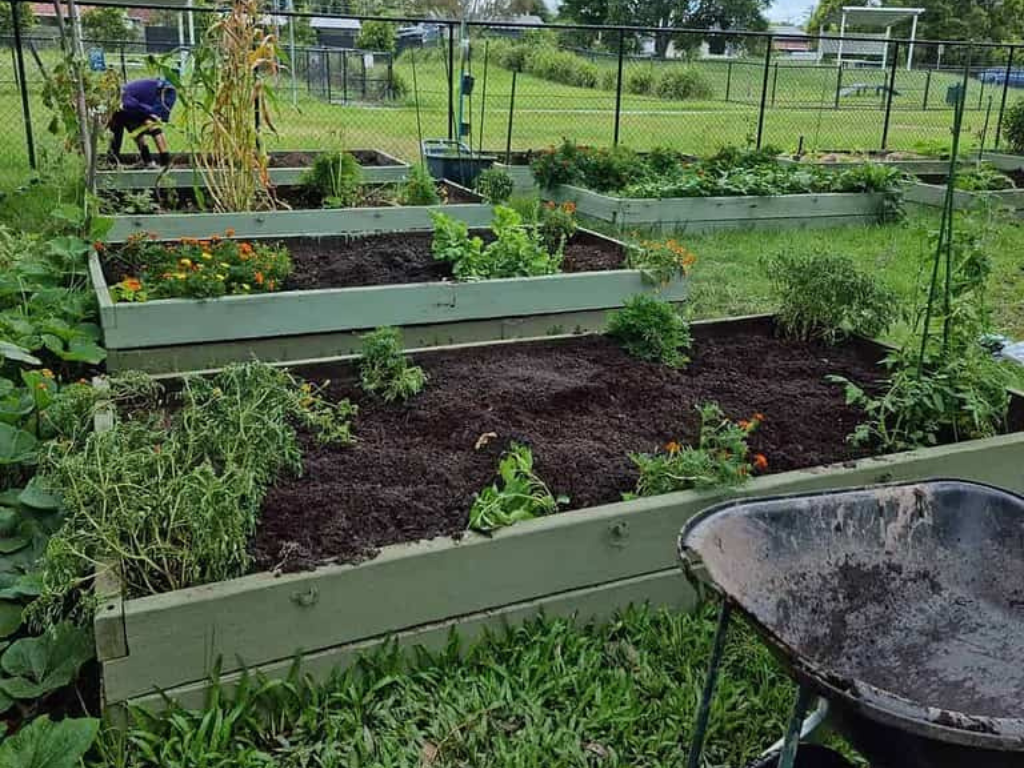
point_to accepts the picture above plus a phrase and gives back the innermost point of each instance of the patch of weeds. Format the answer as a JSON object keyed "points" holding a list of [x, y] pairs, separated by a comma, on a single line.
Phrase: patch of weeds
{"points": [[719, 460], [823, 296], [495, 185], [384, 371], [651, 330], [419, 188], [518, 495]]}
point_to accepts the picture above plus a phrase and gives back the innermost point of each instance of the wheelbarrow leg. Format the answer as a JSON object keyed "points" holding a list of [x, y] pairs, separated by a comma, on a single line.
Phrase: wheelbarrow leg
{"points": [[787, 758], [700, 728]]}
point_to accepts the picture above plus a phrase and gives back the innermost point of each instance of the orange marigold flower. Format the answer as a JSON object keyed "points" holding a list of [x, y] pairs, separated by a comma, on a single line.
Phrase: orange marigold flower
{"points": [[758, 416], [258, 277], [743, 424], [672, 446], [569, 207], [229, 232], [98, 247], [131, 284], [760, 462], [245, 248]]}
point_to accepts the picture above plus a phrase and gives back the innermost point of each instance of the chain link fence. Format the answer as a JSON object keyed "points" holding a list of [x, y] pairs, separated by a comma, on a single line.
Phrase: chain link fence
{"points": [[504, 86]]}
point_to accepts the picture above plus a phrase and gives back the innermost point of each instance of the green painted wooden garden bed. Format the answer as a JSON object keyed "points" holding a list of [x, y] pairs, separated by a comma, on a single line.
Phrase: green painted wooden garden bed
{"points": [[705, 214], [296, 223], [1004, 161], [197, 334], [914, 167], [934, 196], [591, 561], [384, 169]]}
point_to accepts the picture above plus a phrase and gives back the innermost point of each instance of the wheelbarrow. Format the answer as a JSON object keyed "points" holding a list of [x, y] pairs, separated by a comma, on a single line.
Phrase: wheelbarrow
{"points": [[901, 606]]}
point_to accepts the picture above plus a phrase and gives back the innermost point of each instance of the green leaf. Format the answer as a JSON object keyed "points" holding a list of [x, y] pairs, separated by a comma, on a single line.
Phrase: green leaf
{"points": [[18, 354], [6, 702], [10, 618], [45, 744], [45, 663], [16, 586], [9, 520], [68, 247], [38, 497], [9, 544], [16, 445], [83, 351]]}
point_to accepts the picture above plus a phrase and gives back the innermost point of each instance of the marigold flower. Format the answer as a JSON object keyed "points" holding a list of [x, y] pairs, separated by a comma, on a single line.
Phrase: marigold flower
{"points": [[259, 278], [204, 244], [744, 425], [758, 416], [41, 385], [185, 262], [47, 373], [207, 255], [229, 232], [98, 246], [760, 462], [672, 447], [131, 284], [180, 275]]}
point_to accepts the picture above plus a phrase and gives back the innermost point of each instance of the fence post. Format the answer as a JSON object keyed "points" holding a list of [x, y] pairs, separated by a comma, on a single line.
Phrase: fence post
{"points": [[511, 111], [327, 72], [839, 83], [451, 81], [927, 88], [124, 65], [344, 77], [764, 89], [981, 94], [363, 62], [23, 85], [618, 85], [775, 81], [728, 80], [889, 95], [1002, 101]]}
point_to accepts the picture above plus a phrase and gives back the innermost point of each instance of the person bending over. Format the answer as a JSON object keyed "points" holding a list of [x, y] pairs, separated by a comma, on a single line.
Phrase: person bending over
{"points": [[145, 106]]}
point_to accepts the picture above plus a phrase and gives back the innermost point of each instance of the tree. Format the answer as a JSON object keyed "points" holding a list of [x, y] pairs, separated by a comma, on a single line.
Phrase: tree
{"points": [[107, 24], [376, 36], [472, 10], [25, 15]]}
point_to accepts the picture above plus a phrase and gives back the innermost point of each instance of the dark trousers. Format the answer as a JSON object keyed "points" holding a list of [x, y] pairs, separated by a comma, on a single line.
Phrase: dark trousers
{"points": [[122, 121]]}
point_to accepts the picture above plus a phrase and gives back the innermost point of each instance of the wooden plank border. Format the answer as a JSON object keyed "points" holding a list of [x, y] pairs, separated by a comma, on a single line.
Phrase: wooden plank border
{"points": [[702, 214], [260, 621], [299, 223], [176, 178], [934, 195], [1004, 161], [913, 167]]}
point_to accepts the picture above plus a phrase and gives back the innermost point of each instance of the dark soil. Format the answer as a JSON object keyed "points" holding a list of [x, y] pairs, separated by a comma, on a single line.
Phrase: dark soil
{"points": [[392, 259], [583, 405], [366, 157]]}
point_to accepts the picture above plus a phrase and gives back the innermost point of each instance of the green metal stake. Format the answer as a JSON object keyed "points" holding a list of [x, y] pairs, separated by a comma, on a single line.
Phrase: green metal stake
{"points": [[700, 728], [787, 757]]}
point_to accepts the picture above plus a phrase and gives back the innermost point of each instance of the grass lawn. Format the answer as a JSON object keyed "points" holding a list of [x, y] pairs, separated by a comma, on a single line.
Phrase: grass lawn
{"points": [[800, 105], [549, 693]]}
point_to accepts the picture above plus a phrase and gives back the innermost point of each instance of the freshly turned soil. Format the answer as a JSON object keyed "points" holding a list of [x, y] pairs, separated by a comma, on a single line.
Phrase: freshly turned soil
{"points": [[583, 405], [394, 259], [398, 258], [277, 159]]}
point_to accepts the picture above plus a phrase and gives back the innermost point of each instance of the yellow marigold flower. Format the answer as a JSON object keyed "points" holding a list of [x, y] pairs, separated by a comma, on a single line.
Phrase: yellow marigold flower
{"points": [[179, 275], [47, 373], [185, 262], [207, 255]]}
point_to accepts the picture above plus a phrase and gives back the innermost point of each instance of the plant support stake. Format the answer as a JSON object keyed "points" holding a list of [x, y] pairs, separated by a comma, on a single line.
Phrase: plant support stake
{"points": [[618, 86], [22, 85], [891, 93], [764, 90], [700, 727], [1002, 101]]}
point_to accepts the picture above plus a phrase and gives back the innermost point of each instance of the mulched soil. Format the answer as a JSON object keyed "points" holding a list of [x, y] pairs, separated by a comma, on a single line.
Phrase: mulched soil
{"points": [[277, 159], [336, 262], [393, 259], [583, 405]]}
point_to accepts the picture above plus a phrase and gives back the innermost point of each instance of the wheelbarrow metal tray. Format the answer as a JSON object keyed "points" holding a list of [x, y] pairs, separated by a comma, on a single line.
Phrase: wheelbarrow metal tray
{"points": [[901, 603], [593, 560]]}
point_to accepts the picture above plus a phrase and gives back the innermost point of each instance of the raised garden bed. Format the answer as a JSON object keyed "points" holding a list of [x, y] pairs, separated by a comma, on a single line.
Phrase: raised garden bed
{"points": [[364, 515], [285, 168], [907, 162], [707, 214], [463, 204], [517, 166], [930, 191], [342, 287], [1004, 161]]}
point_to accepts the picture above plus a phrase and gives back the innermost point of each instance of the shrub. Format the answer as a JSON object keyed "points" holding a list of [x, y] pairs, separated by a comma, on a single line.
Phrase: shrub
{"points": [[562, 67], [640, 81], [509, 55], [557, 165], [610, 169], [718, 460], [1013, 126], [983, 178], [522, 495], [495, 185], [399, 87], [557, 225], [609, 79], [383, 369], [335, 178], [376, 36], [825, 297], [683, 83], [651, 330], [419, 188]]}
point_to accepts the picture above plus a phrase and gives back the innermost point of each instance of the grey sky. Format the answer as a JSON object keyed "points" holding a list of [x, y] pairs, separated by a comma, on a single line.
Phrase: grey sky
{"points": [[790, 10]]}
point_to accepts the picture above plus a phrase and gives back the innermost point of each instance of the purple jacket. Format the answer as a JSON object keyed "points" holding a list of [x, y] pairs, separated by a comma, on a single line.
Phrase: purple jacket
{"points": [[149, 97]]}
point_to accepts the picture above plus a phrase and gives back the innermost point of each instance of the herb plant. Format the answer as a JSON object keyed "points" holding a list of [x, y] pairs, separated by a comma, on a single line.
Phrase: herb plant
{"points": [[651, 330], [660, 261], [171, 497], [495, 185], [825, 297], [518, 249], [335, 178], [518, 495], [419, 188], [383, 369], [719, 460], [192, 268]]}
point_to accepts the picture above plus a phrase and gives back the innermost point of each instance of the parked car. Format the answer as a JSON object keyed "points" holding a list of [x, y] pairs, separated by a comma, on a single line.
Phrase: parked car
{"points": [[998, 75]]}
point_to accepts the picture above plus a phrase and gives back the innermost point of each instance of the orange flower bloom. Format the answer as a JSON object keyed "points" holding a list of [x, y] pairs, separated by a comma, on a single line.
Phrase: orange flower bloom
{"points": [[245, 248], [744, 425], [98, 247], [758, 416], [204, 244], [259, 278], [760, 462], [672, 447], [131, 284], [229, 232]]}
